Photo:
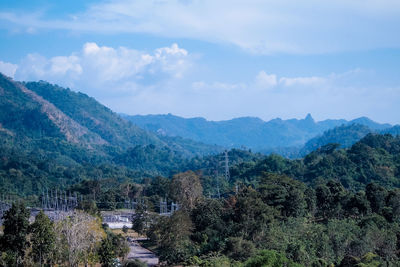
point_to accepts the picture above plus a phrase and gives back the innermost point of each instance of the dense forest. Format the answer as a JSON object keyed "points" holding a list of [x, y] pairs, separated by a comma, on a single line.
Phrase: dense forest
{"points": [[282, 212], [281, 222], [338, 205]]}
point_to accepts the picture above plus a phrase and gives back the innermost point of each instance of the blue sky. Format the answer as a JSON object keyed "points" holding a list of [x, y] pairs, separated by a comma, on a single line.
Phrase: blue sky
{"points": [[215, 59]]}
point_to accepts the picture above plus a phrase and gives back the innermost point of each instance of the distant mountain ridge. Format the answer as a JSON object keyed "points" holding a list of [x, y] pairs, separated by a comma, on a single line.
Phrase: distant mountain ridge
{"points": [[249, 132]]}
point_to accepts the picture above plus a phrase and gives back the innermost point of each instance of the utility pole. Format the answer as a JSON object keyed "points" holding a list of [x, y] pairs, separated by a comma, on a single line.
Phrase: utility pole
{"points": [[47, 199], [216, 174], [227, 174], [56, 202], [218, 193]]}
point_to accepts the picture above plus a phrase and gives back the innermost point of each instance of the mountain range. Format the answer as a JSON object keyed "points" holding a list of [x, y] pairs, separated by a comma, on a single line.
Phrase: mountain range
{"points": [[52, 136], [264, 136]]}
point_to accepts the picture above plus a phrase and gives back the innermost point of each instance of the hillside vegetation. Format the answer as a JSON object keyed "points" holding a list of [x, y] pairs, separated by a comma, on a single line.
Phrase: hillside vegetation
{"points": [[51, 136]]}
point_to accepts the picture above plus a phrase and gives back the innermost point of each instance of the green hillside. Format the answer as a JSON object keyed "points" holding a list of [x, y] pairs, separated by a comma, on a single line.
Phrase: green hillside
{"points": [[375, 158], [344, 135], [95, 117], [53, 137]]}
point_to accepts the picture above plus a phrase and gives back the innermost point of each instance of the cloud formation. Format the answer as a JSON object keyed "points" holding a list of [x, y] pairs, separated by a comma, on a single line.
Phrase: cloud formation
{"points": [[268, 26], [304, 81], [8, 69], [335, 95], [264, 80], [101, 66], [137, 82]]}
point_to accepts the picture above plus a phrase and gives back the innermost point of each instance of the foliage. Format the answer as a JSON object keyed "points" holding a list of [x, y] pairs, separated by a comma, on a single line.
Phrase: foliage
{"points": [[42, 239], [375, 158], [16, 228], [292, 222], [112, 246], [344, 136], [174, 244], [239, 249], [107, 253], [151, 159], [186, 189], [269, 258], [134, 263], [141, 219]]}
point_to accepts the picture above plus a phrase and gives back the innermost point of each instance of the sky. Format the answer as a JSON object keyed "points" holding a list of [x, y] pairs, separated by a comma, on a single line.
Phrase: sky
{"points": [[214, 59]]}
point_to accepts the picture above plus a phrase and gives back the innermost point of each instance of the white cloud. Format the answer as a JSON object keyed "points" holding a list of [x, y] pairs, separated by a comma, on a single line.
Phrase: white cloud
{"points": [[8, 69], [109, 64], [264, 80], [271, 83], [304, 81], [172, 60], [268, 26], [202, 86], [138, 82], [62, 65], [35, 66], [106, 67], [335, 97]]}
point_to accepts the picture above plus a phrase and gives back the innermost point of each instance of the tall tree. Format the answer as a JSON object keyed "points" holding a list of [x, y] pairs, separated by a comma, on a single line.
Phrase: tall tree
{"points": [[175, 244], [141, 219], [186, 189], [80, 235], [106, 252], [43, 239], [14, 240]]}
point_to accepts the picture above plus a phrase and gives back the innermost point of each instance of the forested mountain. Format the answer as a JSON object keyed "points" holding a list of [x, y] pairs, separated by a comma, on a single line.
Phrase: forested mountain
{"points": [[93, 116], [52, 136], [375, 158], [345, 135], [25, 114], [370, 123], [395, 130], [41, 109], [274, 135]]}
